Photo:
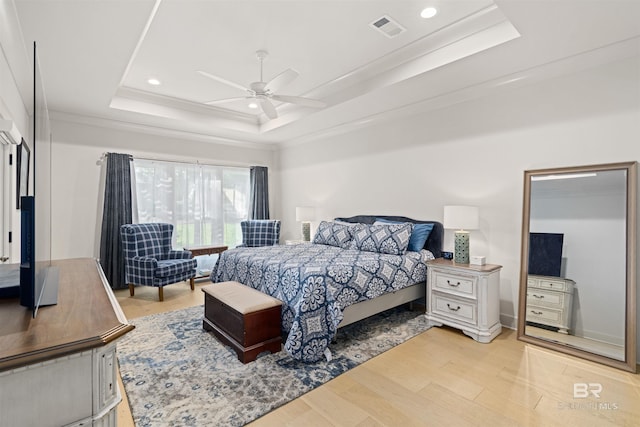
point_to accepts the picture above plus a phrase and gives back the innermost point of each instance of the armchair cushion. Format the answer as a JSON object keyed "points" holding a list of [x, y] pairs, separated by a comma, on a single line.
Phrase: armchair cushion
{"points": [[260, 232], [173, 267]]}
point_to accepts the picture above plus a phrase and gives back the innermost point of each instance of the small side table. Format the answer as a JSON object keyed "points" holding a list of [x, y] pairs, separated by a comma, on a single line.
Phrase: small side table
{"points": [[203, 250], [464, 296]]}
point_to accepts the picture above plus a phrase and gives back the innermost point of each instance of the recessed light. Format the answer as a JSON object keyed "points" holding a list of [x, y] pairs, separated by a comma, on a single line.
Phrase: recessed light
{"points": [[253, 105], [153, 81], [428, 12]]}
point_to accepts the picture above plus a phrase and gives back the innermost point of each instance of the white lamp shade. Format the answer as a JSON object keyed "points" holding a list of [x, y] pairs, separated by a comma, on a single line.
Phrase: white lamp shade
{"points": [[305, 213], [461, 217]]}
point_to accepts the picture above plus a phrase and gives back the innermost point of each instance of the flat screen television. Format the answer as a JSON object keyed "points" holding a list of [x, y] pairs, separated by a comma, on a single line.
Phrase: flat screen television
{"points": [[38, 279], [545, 254]]}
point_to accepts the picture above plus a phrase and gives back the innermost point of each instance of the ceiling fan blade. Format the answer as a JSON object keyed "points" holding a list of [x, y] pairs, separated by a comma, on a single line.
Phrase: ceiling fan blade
{"points": [[223, 81], [223, 101], [281, 80], [306, 102], [268, 108]]}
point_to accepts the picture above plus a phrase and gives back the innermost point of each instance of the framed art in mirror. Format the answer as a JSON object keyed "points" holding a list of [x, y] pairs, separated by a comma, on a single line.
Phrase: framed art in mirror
{"points": [[578, 262]]}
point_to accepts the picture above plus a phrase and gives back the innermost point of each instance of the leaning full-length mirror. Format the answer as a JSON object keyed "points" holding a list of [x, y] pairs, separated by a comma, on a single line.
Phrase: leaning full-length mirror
{"points": [[578, 262]]}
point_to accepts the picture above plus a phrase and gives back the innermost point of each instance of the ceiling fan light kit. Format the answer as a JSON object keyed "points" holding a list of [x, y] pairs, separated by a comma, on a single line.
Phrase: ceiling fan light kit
{"points": [[264, 92]]}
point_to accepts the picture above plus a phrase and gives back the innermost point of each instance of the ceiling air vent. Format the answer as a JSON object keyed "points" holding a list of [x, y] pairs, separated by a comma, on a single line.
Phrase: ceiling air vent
{"points": [[387, 26]]}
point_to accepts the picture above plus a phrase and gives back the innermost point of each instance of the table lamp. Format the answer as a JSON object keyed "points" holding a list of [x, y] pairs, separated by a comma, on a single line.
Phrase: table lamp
{"points": [[305, 215], [461, 219]]}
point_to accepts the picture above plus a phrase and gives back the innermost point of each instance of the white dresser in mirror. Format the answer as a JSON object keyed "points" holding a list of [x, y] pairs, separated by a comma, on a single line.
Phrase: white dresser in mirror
{"points": [[549, 301]]}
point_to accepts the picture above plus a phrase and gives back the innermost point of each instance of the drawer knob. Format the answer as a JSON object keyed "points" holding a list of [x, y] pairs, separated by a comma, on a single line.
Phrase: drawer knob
{"points": [[451, 308], [538, 296], [537, 313], [455, 285]]}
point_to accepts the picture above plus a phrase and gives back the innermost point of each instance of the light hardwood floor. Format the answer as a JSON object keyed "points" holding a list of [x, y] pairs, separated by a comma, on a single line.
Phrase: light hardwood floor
{"points": [[441, 377]]}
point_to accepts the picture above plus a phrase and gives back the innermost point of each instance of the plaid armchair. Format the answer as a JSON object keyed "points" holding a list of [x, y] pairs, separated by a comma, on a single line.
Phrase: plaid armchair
{"points": [[260, 232], [149, 259]]}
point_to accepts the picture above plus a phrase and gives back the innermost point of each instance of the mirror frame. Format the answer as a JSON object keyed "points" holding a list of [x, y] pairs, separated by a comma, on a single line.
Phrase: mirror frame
{"points": [[629, 362]]}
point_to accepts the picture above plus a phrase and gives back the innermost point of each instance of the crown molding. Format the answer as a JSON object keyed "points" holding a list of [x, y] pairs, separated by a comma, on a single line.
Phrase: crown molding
{"points": [[108, 123], [619, 51]]}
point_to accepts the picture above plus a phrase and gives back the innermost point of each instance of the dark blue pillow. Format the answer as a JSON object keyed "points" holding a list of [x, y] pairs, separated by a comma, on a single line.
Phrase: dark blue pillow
{"points": [[419, 235]]}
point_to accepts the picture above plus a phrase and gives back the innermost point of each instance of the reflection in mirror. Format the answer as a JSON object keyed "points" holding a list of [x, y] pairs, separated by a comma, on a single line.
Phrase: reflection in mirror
{"points": [[578, 262]]}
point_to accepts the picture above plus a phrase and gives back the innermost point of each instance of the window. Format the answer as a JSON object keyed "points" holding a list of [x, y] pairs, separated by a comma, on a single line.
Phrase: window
{"points": [[204, 203]]}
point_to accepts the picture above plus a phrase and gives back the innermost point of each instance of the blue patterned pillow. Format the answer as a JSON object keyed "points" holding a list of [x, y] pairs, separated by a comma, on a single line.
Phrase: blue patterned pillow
{"points": [[384, 238], [333, 234], [419, 235]]}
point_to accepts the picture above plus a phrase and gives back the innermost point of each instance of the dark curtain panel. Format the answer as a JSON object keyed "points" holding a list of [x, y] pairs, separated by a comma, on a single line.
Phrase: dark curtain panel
{"points": [[259, 192], [116, 212]]}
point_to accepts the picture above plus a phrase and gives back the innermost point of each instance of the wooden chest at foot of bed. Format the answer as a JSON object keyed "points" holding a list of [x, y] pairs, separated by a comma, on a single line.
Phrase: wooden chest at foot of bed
{"points": [[243, 318]]}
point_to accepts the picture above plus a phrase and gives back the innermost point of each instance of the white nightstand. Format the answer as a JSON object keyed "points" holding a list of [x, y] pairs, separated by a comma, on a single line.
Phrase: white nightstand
{"points": [[466, 297], [549, 301]]}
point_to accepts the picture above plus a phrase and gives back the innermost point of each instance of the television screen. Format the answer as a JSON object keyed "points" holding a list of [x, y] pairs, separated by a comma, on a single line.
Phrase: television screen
{"points": [[27, 253], [545, 254]]}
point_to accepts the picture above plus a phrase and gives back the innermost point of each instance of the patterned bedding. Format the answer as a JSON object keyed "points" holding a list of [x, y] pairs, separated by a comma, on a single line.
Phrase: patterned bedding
{"points": [[316, 282]]}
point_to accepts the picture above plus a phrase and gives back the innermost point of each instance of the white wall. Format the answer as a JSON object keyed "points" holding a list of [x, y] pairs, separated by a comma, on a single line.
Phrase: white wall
{"points": [[473, 153], [78, 184]]}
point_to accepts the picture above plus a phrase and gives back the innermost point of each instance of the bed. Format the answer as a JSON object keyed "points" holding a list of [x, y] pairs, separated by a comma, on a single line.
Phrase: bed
{"points": [[355, 267]]}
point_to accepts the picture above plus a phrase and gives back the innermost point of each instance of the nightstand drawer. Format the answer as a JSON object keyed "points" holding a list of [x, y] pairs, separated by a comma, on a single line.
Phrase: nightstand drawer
{"points": [[551, 284], [546, 298], [544, 315], [455, 308], [456, 284], [556, 285]]}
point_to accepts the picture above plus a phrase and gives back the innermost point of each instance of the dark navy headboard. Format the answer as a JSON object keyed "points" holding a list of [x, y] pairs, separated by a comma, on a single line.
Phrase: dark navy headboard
{"points": [[433, 243]]}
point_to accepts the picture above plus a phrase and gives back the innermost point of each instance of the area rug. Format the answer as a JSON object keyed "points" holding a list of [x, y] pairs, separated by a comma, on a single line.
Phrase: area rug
{"points": [[177, 374]]}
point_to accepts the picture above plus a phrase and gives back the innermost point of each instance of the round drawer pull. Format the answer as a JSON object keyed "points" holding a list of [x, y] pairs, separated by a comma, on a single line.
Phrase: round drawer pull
{"points": [[455, 285], [453, 309]]}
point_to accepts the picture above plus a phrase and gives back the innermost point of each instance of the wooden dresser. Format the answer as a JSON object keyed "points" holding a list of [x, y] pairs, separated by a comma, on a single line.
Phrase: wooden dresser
{"points": [[60, 368], [549, 301]]}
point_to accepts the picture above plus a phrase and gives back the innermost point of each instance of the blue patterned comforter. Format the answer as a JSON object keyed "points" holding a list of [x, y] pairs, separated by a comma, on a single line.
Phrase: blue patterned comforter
{"points": [[316, 282]]}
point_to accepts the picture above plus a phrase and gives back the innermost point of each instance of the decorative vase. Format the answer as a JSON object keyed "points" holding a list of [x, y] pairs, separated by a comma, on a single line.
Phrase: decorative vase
{"points": [[461, 246]]}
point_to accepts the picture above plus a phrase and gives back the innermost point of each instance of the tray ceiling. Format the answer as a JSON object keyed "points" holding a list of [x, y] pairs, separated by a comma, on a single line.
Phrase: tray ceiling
{"points": [[97, 57]]}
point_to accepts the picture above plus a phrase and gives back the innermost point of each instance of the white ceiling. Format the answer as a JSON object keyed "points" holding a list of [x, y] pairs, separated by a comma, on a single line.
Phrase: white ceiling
{"points": [[96, 57]]}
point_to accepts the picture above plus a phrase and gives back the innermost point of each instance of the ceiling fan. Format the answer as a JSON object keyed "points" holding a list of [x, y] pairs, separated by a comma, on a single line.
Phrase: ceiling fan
{"points": [[264, 92]]}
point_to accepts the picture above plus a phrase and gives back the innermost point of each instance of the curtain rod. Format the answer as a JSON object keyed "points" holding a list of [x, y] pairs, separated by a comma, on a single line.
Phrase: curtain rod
{"points": [[196, 162]]}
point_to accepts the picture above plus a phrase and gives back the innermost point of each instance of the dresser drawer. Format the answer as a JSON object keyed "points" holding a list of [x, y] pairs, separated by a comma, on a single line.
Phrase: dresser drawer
{"points": [[544, 315], [454, 284], [465, 311], [541, 297], [551, 284]]}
